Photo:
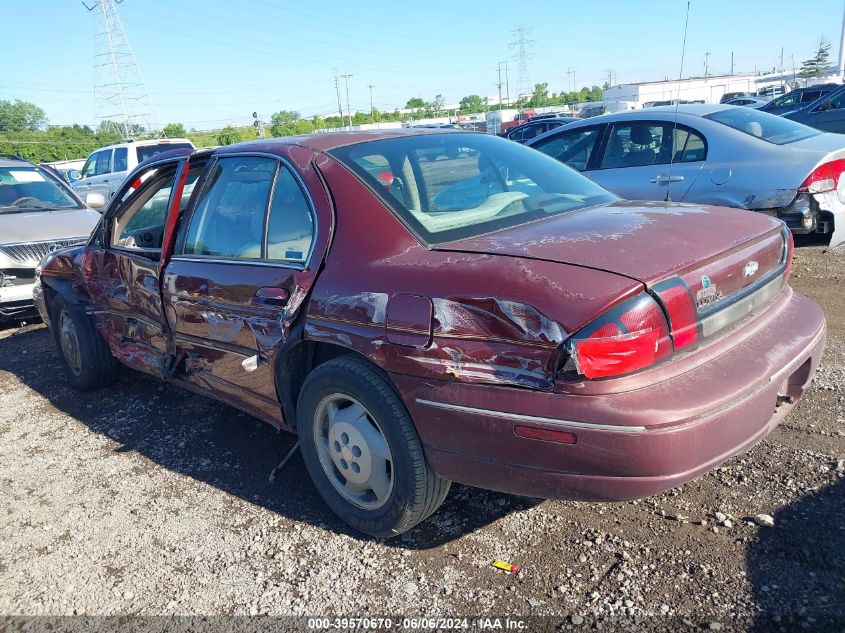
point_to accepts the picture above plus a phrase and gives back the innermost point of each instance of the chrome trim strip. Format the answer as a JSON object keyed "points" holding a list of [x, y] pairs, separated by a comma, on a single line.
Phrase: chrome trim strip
{"points": [[532, 418], [241, 262]]}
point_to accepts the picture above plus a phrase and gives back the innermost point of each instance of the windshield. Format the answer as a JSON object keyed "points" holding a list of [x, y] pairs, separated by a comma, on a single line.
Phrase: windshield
{"points": [[452, 186], [27, 188], [147, 151], [762, 125]]}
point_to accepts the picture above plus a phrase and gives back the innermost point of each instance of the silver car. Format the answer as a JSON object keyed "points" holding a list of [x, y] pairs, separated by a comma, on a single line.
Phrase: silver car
{"points": [[713, 154], [38, 213]]}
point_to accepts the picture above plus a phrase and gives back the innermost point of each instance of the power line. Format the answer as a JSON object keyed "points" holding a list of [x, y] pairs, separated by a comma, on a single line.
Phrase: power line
{"points": [[348, 111]]}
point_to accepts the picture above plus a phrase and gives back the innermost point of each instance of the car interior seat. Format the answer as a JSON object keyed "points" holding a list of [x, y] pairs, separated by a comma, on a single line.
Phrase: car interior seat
{"points": [[753, 128], [643, 153]]}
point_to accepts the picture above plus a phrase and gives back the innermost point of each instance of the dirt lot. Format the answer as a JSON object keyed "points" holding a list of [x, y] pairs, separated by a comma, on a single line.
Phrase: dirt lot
{"points": [[144, 499]]}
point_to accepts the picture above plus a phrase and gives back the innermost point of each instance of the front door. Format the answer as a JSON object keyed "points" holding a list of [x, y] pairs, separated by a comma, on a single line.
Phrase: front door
{"points": [[242, 265], [123, 284]]}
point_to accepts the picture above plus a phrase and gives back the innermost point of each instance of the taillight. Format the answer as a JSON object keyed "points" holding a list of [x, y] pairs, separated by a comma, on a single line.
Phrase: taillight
{"points": [[679, 305], [824, 177], [629, 337], [788, 247]]}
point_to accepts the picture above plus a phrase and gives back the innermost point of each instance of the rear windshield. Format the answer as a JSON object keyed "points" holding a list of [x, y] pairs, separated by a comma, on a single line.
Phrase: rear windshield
{"points": [[765, 126], [452, 186], [26, 189], [146, 151]]}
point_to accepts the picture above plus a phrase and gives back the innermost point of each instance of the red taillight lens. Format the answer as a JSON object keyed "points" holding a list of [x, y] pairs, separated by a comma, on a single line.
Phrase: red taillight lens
{"points": [[679, 305], [824, 177], [628, 338]]}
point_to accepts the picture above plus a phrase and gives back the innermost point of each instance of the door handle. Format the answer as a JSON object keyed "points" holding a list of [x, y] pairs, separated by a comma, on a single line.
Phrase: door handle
{"points": [[271, 296], [664, 179]]}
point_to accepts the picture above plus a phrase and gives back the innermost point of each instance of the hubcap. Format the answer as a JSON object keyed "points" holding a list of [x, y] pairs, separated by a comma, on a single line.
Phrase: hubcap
{"points": [[353, 451], [70, 343]]}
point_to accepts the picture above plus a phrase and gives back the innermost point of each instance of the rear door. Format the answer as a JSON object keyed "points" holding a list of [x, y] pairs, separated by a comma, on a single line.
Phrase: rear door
{"points": [[635, 160], [245, 258], [829, 115]]}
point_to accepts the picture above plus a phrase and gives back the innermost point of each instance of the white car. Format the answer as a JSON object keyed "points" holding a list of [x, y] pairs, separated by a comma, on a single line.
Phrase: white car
{"points": [[106, 168]]}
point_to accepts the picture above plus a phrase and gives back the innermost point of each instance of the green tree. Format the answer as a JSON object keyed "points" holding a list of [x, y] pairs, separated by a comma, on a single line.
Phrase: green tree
{"points": [[814, 67], [174, 130], [415, 102], [288, 123], [228, 136], [472, 103], [20, 116], [540, 97]]}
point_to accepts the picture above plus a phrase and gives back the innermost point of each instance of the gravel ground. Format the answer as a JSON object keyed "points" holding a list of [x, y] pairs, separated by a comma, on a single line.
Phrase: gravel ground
{"points": [[144, 499]]}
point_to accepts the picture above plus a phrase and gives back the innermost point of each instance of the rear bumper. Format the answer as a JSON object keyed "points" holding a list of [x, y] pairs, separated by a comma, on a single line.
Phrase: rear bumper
{"points": [[630, 443]]}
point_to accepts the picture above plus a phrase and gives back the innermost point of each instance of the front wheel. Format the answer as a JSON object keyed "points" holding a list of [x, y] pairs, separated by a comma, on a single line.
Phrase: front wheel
{"points": [[362, 450], [84, 355]]}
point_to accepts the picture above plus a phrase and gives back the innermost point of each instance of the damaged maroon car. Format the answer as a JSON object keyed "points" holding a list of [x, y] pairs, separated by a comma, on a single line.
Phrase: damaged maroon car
{"points": [[426, 307]]}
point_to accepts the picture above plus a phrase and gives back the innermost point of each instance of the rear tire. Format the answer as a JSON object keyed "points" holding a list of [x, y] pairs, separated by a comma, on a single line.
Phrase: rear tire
{"points": [[84, 355], [362, 451]]}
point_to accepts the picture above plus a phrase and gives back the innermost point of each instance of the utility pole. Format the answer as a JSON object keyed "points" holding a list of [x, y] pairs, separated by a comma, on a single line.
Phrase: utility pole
{"points": [[507, 86], [571, 72], [372, 111], [732, 62], [337, 90], [781, 61], [706, 63], [499, 85], [348, 111]]}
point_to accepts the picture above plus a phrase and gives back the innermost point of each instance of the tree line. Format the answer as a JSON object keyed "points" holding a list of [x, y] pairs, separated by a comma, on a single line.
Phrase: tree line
{"points": [[25, 130]]}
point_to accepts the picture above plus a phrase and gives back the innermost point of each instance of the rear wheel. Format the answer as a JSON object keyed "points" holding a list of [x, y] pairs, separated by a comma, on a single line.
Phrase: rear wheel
{"points": [[362, 450], [84, 355]]}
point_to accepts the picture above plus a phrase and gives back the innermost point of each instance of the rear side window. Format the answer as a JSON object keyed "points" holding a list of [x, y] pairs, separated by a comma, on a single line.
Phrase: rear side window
{"points": [[103, 165], [148, 151], [290, 229], [120, 159], [573, 148], [229, 217], [767, 127]]}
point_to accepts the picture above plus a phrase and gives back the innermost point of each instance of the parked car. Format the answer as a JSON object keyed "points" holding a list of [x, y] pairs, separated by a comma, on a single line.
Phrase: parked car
{"points": [[713, 154], [535, 127], [825, 113], [748, 102], [495, 319], [773, 91], [730, 96], [798, 97], [38, 213], [106, 168], [588, 112]]}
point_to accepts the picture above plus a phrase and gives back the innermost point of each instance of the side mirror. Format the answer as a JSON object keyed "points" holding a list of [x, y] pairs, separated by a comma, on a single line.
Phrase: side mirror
{"points": [[74, 175], [95, 200]]}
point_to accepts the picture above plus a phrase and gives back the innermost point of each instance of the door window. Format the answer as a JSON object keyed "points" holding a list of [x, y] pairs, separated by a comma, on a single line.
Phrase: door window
{"points": [[573, 148], [90, 165], [138, 223], [290, 229], [633, 145], [837, 102], [688, 146], [120, 159], [103, 163], [533, 130], [228, 220]]}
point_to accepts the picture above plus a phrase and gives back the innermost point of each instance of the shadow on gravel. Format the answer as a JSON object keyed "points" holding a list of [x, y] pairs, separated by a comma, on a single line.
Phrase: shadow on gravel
{"points": [[219, 445], [811, 239], [797, 567]]}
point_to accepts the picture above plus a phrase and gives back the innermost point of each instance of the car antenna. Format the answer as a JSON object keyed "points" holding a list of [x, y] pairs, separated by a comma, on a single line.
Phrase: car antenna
{"points": [[677, 103]]}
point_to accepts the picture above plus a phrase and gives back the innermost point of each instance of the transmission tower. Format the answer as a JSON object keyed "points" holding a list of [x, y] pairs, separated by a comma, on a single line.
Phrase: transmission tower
{"points": [[521, 44], [119, 92]]}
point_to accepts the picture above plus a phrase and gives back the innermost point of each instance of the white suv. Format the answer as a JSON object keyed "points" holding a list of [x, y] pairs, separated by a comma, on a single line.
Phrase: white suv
{"points": [[106, 168]]}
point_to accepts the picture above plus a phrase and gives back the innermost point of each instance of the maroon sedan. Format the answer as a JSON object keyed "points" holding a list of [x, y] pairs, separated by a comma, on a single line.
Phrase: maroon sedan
{"points": [[426, 307]]}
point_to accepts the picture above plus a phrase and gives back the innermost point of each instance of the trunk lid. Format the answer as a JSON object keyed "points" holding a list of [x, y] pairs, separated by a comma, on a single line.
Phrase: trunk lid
{"points": [[717, 252]]}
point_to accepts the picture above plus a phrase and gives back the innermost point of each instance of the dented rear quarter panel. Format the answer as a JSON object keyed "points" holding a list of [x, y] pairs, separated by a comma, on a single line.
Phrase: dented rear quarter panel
{"points": [[467, 317]]}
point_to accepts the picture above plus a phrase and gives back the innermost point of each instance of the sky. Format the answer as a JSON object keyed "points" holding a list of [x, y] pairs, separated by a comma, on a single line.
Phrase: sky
{"points": [[211, 63]]}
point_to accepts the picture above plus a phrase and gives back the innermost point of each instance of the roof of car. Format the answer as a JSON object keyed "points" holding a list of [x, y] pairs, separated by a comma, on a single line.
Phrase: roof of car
{"points": [[15, 163], [326, 141]]}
